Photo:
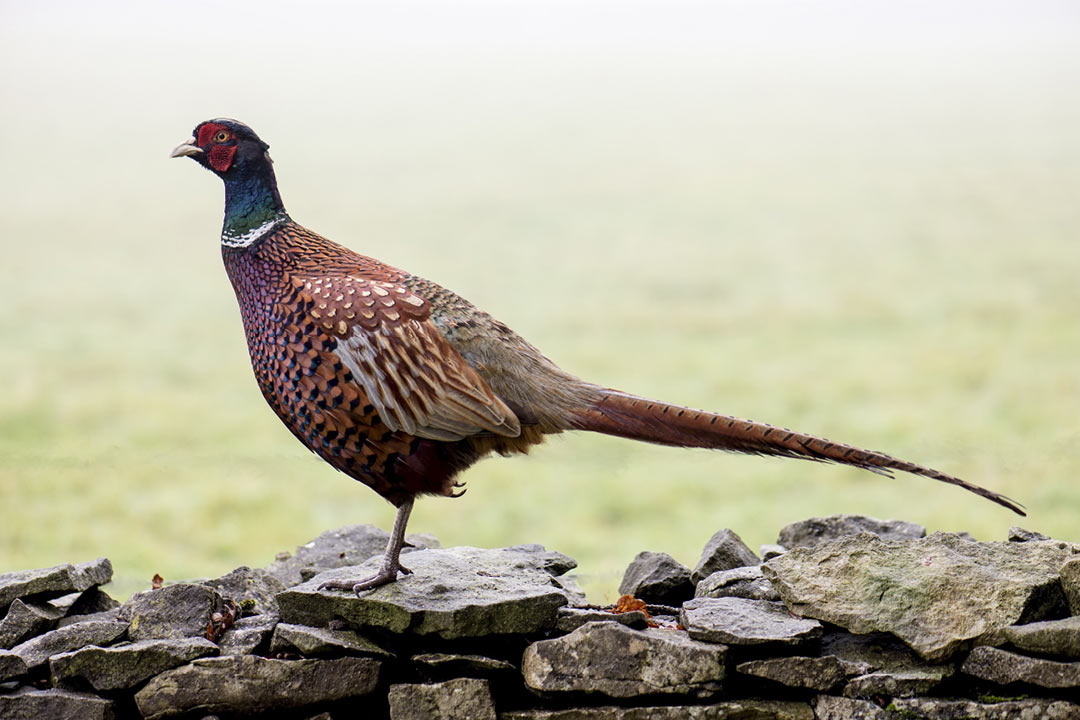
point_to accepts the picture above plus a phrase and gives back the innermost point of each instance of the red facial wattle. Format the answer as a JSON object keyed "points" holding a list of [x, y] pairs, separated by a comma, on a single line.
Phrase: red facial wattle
{"points": [[221, 157]]}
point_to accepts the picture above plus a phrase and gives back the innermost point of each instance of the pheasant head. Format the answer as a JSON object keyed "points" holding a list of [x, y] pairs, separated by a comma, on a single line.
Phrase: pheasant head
{"points": [[233, 152]]}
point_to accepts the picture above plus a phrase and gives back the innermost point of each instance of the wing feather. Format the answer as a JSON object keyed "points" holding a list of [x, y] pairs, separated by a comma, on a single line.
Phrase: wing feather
{"points": [[416, 380]]}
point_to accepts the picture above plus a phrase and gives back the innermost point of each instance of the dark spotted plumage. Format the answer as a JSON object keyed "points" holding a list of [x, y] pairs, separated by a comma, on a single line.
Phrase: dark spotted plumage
{"points": [[401, 384]]}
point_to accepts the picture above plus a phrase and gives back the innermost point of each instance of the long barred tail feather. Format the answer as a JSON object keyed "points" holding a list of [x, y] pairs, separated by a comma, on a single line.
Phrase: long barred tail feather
{"points": [[623, 415]]}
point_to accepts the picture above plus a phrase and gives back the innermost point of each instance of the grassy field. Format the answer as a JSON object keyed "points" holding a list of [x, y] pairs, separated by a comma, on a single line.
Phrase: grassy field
{"points": [[860, 243]]}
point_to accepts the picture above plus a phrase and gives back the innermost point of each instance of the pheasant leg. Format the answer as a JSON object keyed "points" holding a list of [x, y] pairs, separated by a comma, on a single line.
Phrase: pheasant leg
{"points": [[390, 566]]}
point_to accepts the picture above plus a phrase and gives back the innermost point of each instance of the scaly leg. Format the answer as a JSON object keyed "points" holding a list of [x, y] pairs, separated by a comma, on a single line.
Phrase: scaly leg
{"points": [[390, 566]]}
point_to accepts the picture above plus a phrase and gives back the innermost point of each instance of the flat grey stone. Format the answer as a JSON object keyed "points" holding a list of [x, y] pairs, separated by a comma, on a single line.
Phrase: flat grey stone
{"points": [[813, 673], [1004, 667], [880, 651], [249, 684], [830, 707], [451, 593], [569, 619], [727, 710], [11, 665], [657, 578], [1052, 637], [610, 659], [574, 594], [344, 547], [1070, 582], [316, 642], [24, 620], [725, 550], [87, 602], [938, 594], [893, 683], [464, 665], [949, 709], [1019, 534], [174, 611], [743, 582], [53, 581], [252, 590], [738, 621], [31, 704], [113, 615], [37, 651], [458, 699], [770, 550], [248, 635], [125, 665], [813, 532]]}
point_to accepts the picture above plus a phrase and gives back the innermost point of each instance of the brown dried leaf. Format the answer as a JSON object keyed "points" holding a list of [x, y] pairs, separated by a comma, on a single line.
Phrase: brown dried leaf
{"points": [[156, 582], [629, 603]]}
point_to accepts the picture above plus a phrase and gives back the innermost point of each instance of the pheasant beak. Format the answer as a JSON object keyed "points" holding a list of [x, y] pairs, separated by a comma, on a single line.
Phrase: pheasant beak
{"points": [[188, 147]]}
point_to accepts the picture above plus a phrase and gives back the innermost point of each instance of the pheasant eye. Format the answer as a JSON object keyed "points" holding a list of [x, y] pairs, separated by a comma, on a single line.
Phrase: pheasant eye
{"points": [[221, 136]]}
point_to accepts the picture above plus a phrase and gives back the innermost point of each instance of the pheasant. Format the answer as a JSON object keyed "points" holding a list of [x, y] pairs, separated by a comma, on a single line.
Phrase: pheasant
{"points": [[402, 384]]}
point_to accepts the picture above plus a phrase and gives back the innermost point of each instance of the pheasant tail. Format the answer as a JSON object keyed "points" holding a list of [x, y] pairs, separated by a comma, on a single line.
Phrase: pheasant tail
{"points": [[628, 416]]}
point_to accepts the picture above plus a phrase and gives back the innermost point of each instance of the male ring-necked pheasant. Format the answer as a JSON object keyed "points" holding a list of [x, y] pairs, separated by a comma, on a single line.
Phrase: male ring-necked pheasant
{"points": [[401, 384]]}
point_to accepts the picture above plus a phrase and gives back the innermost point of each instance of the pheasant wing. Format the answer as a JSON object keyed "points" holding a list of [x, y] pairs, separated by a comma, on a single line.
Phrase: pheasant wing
{"points": [[417, 381]]}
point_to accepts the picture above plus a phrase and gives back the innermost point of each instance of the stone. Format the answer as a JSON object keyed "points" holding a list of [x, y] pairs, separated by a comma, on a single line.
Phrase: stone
{"points": [[880, 652], [125, 665], [743, 582], [88, 602], [1070, 582], [458, 699], [316, 642], [948, 709], [31, 704], [11, 665], [25, 619], [725, 550], [1019, 534], [569, 619], [113, 614], [248, 635], [54, 581], [829, 707], [814, 673], [738, 621], [249, 684], [174, 611], [37, 651], [1051, 637], [343, 547], [451, 593], [1004, 667], [890, 683], [610, 659], [938, 594], [252, 590], [657, 578], [464, 665], [813, 532], [770, 550], [574, 594], [727, 710]]}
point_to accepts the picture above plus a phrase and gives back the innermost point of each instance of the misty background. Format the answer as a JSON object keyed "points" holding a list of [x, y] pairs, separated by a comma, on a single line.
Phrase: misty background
{"points": [[853, 219]]}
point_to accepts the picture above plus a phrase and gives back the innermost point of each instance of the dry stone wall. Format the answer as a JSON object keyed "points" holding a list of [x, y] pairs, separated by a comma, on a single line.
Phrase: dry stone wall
{"points": [[848, 617]]}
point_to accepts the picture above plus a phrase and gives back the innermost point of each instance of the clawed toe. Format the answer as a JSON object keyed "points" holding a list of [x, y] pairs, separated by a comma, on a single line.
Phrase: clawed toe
{"points": [[383, 577]]}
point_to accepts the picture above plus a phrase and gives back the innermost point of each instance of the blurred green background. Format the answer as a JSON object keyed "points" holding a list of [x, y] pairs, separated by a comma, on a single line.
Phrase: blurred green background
{"points": [[853, 219]]}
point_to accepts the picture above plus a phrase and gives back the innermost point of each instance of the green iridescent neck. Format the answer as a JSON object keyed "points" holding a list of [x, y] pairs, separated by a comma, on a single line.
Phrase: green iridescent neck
{"points": [[252, 206]]}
